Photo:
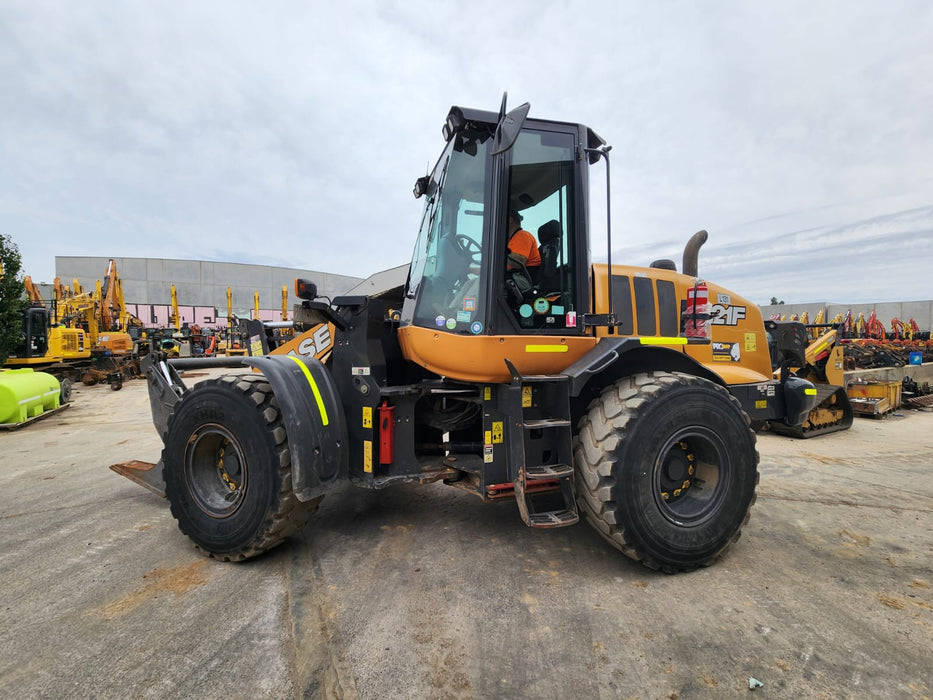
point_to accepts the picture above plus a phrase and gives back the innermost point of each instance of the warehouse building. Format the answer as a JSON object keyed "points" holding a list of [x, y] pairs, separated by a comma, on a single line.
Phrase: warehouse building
{"points": [[200, 286]]}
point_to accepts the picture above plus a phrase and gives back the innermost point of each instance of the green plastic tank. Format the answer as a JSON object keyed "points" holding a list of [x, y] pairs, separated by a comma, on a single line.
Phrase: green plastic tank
{"points": [[25, 393]]}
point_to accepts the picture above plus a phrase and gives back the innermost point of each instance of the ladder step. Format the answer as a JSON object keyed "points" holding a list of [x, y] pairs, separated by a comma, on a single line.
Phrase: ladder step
{"points": [[538, 378], [548, 471], [555, 518], [546, 423]]}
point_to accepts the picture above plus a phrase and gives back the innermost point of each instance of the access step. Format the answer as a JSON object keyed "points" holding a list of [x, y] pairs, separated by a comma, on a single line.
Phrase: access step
{"points": [[551, 507], [548, 471], [538, 378], [557, 518], [541, 423]]}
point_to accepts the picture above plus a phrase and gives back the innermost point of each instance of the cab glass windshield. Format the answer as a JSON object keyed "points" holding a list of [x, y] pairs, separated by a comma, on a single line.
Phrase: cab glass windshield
{"points": [[447, 262]]}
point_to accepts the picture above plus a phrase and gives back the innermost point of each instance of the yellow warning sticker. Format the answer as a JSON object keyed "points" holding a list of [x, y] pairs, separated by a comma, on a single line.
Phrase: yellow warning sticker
{"points": [[526, 397], [488, 435], [368, 456], [367, 416], [761, 404], [487, 393], [496, 432], [751, 342]]}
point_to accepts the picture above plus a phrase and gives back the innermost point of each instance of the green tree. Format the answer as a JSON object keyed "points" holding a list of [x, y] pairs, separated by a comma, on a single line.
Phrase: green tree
{"points": [[774, 301], [12, 294]]}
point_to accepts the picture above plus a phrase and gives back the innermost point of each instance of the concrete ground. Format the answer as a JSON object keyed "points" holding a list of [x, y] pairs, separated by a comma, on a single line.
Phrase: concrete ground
{"points": [[425, 592]]}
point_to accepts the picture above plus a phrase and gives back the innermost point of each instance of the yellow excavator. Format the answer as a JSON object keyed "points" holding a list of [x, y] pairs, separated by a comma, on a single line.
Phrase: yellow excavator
{"points": [[82, 337], [103, 314], [47, 346]]}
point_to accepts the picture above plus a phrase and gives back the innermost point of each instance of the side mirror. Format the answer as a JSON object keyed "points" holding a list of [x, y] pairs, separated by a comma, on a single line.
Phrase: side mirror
{"points": [[305, 289], [508, 129], [421, 186]]}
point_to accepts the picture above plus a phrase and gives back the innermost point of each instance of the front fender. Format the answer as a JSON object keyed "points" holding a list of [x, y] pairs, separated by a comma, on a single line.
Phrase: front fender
{"points": [[616, 357], [313, 417]]}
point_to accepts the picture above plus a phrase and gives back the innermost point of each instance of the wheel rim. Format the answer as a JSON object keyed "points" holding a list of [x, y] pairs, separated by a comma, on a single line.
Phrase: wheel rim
{"points": [[215, 471], [692, 475]]}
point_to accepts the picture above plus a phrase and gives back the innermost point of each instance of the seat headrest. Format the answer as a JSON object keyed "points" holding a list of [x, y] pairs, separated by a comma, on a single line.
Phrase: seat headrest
{"points": [[549, 232]]}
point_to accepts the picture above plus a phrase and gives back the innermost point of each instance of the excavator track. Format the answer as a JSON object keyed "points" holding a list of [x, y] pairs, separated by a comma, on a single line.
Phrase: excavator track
{"points": [[833, 413]]}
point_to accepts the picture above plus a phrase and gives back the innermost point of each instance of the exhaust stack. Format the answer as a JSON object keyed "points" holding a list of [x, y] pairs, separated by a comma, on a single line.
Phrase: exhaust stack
{"points": [[692, 252]]}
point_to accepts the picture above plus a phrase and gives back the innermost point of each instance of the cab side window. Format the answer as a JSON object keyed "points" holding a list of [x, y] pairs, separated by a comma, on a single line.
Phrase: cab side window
{"points": [[541, 192]]}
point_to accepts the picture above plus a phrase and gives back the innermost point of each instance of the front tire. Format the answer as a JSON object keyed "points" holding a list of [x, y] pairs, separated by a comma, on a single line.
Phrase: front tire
{"points": [[667, 469], [227, 469]]}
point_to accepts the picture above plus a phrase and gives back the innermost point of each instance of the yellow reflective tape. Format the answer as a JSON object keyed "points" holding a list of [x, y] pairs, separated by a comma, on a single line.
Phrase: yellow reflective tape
{"points": [[314, 389], [810, 392], [546, 348], [662, 340]]}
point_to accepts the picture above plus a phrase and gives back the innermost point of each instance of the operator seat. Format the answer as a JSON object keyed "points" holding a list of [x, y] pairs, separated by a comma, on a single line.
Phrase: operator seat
{"points": [[549, 273]]}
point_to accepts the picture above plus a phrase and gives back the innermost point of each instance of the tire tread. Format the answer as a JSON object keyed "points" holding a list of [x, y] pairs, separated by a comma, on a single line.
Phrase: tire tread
{"points": [[286, 514], [601, 430]]}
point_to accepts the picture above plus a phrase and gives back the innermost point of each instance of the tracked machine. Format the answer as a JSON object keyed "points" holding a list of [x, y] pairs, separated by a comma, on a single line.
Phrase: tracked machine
{"points": [[80, 336], [617, 393], [820, 361]]}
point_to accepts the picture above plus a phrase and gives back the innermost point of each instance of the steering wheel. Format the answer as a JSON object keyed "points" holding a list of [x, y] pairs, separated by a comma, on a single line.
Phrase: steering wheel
{"points": [[468, 248]]}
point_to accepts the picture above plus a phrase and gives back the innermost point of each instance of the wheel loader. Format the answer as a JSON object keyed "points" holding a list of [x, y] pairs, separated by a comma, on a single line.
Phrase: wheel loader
{"points": [[617, 393]]}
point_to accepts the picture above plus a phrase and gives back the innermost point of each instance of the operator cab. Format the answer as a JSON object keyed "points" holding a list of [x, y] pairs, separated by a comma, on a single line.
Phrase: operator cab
{"points": [[461, 282], [34, 341]]}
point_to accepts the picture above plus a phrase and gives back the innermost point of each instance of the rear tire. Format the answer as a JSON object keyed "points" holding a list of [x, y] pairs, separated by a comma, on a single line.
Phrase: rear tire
{"points": [[64, 394], [667, 469], [227, 469]]}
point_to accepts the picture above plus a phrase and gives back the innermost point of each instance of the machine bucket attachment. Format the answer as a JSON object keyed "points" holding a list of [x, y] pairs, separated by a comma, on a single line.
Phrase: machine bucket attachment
{"points": [[145, 474]]}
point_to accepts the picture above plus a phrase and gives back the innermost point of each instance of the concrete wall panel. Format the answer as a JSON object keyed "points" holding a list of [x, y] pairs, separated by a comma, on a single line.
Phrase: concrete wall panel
{"points": [[158, 292], [86, 268], [134, 289], [181, 271], [254, 276], [153, 269], [885, 312], [188, 293], [131, 268], [919, 311]]}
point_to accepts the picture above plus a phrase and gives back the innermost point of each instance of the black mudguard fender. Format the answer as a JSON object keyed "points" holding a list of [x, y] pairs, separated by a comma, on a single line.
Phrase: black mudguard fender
{"points": [[614, 357], [313, 418]]}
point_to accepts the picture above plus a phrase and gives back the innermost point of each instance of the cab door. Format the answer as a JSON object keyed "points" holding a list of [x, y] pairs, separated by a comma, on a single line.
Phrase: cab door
{"points": [[542, 179]]}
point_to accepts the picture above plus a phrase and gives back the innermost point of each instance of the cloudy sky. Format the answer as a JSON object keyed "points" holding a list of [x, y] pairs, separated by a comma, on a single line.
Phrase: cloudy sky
{"points": [[799, 134]]}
